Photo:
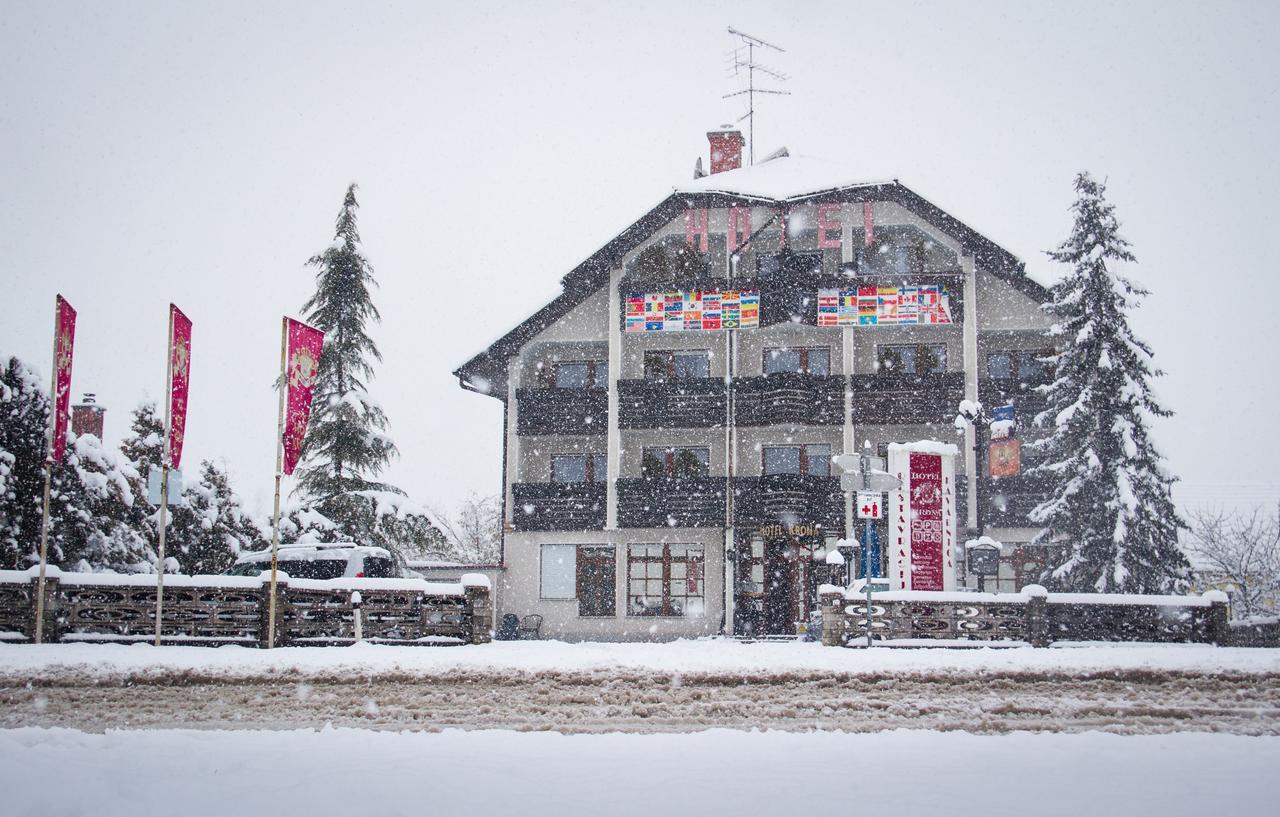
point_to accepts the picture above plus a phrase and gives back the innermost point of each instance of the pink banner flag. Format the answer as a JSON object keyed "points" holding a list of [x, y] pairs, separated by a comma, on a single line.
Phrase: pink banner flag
{"points": [[180, 375], [302, 368], [64, 339]]}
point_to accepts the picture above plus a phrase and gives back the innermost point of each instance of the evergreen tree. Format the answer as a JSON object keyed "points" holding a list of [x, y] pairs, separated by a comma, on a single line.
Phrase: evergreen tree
{"points": [[1109, 523], [24, 412], [210, 529], [91, 511], [144, 449], [346, 447]]}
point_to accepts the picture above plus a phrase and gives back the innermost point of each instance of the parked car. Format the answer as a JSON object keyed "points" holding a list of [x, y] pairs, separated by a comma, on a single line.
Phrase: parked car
{"points": [[322, 561]]}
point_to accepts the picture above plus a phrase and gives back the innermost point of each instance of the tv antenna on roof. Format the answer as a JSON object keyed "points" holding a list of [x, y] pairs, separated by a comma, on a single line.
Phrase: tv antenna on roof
{"points": [[749, 63]]}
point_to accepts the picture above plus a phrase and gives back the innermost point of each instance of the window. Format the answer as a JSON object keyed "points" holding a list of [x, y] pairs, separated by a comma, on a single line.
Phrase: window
{"points": [[664, 463], [798, 459], [582, 374], [802, 361], [664, 365], [913, 359], [578, 468], [597, 594], [559, 571], [1025, 366], [904, 250], [665, 580]]}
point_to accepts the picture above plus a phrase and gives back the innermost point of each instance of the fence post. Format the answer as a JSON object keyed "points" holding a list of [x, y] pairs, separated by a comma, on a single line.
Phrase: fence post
{"points": [[831, 600], [282, 596], [480, 606], [1037, 614], [1218, 629], [52, 632]]}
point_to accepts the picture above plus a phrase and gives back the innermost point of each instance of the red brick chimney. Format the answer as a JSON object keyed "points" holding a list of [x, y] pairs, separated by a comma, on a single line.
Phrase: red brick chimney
{"points": [[726, 149], [87, 417]]}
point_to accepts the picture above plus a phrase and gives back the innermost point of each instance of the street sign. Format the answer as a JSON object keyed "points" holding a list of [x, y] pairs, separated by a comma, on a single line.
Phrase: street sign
{"points": [[1004, 457], [875, 481], [852, 463], [1004, 413], [870, 505]]}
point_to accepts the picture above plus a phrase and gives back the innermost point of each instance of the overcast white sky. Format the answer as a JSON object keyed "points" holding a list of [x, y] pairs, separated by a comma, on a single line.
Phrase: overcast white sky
{"points": [[151, 152]]}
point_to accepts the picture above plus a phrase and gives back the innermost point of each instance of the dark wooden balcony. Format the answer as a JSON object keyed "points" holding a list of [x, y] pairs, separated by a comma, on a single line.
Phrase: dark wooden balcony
{"points": [[788, 498], [1020, 394], [1007, 501], [558, 505], [562, 411], [675, 403], [907, 400], [795, 399], [686, 502]]}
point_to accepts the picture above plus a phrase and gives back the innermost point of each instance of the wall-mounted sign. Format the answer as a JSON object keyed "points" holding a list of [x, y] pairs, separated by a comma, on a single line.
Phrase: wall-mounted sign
{"points": [[1005, 457], [870, 505], [922, 517], [884, 306], [694, 311]]}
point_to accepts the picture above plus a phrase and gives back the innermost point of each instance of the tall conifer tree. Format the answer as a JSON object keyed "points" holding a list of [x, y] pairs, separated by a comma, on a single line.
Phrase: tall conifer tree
{"points": [[346, 446], [1110, 524]]}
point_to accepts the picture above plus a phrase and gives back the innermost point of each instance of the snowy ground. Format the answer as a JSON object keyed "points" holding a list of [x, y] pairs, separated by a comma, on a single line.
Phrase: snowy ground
{"points": [[676, 687], [903, 773]]}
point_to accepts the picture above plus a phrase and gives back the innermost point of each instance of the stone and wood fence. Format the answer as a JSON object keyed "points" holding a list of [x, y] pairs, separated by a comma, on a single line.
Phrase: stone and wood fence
{"points": [[1033, 616], [217, 610]]}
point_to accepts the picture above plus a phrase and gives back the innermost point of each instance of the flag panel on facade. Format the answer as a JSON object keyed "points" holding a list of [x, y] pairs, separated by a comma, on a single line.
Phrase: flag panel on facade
{"points": [[884, 306], [692, 311]]}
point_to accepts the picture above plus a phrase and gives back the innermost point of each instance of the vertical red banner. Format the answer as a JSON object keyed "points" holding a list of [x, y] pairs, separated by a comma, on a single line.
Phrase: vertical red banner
{"points": [[302, 368], [180, 377], [926, 522], [868, 224], [64, 340]]}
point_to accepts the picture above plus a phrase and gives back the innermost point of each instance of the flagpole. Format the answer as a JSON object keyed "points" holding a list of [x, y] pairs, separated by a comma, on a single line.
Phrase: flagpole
{"points": [[48, 474], [164, 475], [275, 517]]}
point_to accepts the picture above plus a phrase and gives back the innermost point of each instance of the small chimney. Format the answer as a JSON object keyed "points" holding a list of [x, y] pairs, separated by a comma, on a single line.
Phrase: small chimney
{"points": [[87, 417], [726, 149]]}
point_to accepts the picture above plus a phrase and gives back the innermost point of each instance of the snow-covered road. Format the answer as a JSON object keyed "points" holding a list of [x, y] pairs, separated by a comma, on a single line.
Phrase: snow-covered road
{"points": [[644, 688], [362, 772]]}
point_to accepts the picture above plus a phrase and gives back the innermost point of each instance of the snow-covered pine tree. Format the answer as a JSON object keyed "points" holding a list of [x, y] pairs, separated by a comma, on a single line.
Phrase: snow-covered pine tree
{"points": [[143, 449], [91, 511], [1109, 522], [346, 446], [211, 529], [24, 412]]}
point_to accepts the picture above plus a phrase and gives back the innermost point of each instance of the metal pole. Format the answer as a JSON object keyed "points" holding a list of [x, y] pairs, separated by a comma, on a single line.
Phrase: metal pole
{"points": [[275, 516], [866, 533], [48, 475], [164, 476]]}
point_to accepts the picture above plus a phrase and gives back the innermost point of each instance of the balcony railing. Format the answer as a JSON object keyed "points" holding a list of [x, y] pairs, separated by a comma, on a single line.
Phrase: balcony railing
{"points": [[788, 498], [562, 411], [676, 403], [906, 400], [685, 502], [558, 505], [1021, 394], [795, 399]]}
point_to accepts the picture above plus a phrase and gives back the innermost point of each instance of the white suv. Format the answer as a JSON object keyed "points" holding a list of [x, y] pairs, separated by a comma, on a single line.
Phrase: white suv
{"points": [[322, 561]]}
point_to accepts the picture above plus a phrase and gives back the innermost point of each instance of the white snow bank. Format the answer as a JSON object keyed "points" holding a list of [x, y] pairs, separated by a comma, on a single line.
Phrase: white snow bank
{"points": [[354, 771], [686, 656], [182, 580], [925, 447]]}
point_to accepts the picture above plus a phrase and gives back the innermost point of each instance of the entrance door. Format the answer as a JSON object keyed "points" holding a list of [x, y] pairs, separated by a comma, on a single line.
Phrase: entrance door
{"points": [[779, 588]]}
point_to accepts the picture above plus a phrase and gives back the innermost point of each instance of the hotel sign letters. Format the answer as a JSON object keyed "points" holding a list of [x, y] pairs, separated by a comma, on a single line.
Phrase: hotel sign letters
{"points": [[922, 518]]}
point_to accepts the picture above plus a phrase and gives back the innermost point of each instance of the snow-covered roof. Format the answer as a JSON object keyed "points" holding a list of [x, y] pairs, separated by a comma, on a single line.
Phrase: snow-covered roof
{"points": [[781, 179]]}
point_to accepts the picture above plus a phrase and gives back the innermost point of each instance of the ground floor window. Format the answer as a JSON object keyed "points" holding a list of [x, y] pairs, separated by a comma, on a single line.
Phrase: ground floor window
{"points": [[665, 580], [583, 572]]}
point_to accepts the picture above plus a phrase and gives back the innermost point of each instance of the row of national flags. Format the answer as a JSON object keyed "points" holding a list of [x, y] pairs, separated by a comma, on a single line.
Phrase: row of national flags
{"points": [[884, 306], [703, 310], [300, 349]]}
